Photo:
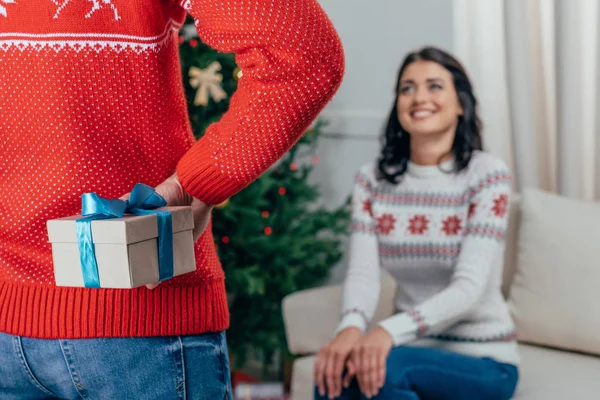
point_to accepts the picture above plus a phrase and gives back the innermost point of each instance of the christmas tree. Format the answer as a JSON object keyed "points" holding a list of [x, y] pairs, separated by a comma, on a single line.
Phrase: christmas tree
{"points": [[272, 237]]}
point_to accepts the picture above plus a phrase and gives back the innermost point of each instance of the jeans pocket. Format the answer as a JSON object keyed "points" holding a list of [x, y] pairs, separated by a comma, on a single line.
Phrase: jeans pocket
{"points": [[18, 347]]}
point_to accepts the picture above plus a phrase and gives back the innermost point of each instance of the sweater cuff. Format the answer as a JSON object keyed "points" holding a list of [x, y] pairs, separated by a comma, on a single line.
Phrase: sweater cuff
{"points": [[403, 328], [352, 319], [202, 179]]}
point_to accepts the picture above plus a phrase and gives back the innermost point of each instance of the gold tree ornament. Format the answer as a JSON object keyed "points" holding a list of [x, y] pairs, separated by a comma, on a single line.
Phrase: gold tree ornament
{"points": [[237, 74], [208, 82], [223, 204]]}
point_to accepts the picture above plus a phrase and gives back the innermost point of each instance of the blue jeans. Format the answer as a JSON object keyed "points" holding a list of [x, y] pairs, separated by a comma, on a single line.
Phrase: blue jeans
{"points": [[419, 373], [171, 367]]}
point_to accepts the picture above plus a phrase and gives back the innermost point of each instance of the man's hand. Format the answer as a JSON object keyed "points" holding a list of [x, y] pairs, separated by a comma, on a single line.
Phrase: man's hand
{"points": [[175, 195]]}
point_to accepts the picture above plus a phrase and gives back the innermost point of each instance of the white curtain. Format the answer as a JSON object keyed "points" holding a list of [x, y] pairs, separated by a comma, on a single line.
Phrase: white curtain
{"points": [[534, 64]]}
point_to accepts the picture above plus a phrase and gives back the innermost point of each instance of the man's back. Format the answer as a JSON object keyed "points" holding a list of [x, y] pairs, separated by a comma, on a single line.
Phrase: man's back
{"points": [[91, 101]]}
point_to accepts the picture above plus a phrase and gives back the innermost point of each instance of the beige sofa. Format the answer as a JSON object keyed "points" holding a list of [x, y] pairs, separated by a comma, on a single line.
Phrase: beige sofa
{"points": [[546, 374]]}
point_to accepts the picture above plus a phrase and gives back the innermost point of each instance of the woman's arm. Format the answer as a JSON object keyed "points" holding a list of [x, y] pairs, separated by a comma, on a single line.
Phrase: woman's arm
{"points": [[362, 284], [292, 63]]}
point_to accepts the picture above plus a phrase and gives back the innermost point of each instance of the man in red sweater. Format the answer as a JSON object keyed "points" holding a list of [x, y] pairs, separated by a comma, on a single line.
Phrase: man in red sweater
{"points": [[91, 100]]}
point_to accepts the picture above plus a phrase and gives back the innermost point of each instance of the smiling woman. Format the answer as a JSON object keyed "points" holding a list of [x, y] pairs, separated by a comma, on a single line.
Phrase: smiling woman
{"points": [[434, 100], [427, 105], [432, 212]]}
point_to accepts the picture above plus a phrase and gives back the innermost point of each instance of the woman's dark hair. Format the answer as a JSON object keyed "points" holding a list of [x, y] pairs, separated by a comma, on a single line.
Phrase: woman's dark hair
{"points": [[395, 152]]}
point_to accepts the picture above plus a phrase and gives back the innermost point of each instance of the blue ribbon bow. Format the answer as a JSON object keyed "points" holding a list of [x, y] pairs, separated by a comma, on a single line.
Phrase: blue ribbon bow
{"points": [[143, 200]]}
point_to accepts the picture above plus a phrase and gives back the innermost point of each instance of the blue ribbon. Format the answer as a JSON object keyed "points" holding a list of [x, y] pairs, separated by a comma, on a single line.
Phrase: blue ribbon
{"points": [[143, 200]]}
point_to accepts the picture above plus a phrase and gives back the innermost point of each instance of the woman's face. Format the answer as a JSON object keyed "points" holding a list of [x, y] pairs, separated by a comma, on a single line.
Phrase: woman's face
{"points": [[427, 100]]}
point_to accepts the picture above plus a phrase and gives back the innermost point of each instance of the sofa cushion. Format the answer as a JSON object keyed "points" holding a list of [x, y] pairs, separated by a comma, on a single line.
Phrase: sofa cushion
{"points": [[554, 296], [544, 374], [557, 375]]}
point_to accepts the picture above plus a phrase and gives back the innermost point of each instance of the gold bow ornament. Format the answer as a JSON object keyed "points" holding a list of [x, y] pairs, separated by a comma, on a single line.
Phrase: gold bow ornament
{"points": [[208, 82]]}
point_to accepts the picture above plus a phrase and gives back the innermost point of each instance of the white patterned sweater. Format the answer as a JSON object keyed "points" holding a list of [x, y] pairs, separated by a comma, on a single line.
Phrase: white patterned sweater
{"points": [[441, 236]]}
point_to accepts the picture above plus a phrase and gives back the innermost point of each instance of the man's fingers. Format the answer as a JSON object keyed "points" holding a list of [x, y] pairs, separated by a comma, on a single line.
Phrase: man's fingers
{"points": [[202, 213], [152, 285]]}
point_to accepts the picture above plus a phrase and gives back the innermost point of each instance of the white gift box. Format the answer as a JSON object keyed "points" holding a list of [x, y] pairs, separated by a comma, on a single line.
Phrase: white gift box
{"points": [[126, 249]]}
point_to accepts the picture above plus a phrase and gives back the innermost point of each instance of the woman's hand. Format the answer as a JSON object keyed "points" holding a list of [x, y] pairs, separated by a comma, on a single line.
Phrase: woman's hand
{"points": [[331, 359], [368, 360]]}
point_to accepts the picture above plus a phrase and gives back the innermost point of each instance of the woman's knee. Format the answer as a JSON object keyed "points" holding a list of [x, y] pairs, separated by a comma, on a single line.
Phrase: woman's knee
{"points": [[399, 359]]}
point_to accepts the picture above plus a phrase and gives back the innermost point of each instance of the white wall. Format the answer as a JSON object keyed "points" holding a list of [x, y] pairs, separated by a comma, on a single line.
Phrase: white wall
{"points": [[376, 35]]}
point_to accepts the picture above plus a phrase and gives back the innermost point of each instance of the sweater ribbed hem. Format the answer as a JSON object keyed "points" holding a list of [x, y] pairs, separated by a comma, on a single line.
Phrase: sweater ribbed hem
{"points": [[202, 179], [75, 313]]}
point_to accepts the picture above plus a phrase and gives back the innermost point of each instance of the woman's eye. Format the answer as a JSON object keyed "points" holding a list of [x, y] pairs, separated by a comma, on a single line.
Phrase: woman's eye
{"points": [[435, 86], [406, 89]]}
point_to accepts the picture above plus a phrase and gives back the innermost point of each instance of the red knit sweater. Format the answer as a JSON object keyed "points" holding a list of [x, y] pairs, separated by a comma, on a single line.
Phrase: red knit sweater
{"points": [[91, 100]]}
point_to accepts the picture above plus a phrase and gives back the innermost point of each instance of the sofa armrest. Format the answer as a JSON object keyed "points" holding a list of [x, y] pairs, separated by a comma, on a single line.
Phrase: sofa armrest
{"points": [[512, 244], [311, 316]]}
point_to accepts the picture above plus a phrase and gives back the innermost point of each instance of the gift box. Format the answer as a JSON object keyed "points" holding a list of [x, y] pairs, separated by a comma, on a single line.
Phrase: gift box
{"points": [[122, 249], [126, 249]]}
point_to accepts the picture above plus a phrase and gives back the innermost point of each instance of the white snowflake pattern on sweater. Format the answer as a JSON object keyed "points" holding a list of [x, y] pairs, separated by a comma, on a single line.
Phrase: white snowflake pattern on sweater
{"points": [[96, 5], [3, 10]]}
